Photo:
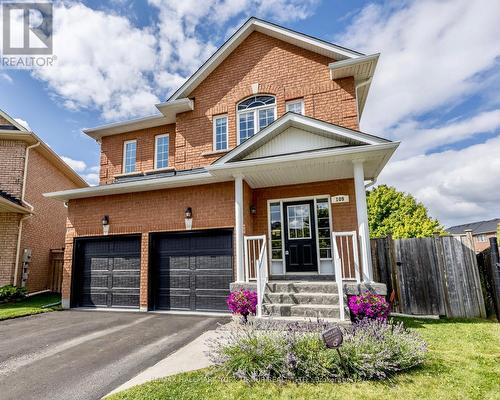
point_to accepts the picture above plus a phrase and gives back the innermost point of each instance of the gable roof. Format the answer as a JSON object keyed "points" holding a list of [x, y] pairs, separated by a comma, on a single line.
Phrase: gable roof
{"points": [[476, 227], [349, 136], [253, 24], [23, 134], [13, 122]]}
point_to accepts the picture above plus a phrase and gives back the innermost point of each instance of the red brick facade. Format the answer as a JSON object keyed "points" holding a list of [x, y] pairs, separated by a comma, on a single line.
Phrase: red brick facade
{"points": [[281, 69], [45, 229]]}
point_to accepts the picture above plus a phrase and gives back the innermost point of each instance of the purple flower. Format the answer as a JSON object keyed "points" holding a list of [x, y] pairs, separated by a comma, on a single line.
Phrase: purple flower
{"points": [[242, 302], [368, 305]]}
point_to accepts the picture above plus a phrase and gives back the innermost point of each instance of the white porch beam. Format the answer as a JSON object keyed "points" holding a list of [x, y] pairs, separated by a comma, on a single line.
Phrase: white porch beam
{"points": [[238, 221], [362, 214]]}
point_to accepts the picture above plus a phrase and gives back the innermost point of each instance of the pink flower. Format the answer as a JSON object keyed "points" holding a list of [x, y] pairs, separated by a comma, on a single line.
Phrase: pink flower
{"points": [[368, 305], [242, 302]]}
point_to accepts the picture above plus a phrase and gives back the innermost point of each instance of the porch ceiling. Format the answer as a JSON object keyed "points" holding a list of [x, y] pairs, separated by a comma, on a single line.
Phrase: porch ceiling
{"points": [[314, 166]]}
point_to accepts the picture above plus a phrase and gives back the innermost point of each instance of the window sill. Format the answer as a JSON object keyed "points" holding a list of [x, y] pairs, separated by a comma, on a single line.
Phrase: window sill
{"points": [[166, 169], [135, 173], [215, 153]]}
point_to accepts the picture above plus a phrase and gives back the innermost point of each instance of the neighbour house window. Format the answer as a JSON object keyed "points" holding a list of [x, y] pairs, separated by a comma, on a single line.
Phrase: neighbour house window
{"points": [[481, 238], [296, 106], [129, 152], [254, 114], [220, 132], [275, 219], [161, 151], [324, 236]]}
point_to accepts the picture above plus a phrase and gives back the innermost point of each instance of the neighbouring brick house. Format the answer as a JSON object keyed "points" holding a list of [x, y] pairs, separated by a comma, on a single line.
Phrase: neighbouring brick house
{"points": [[29, 222], [481, 231], [251, 167]]}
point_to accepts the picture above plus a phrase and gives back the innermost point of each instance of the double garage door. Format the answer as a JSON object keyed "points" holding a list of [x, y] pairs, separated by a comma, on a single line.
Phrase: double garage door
{"points": [[188, 271]]}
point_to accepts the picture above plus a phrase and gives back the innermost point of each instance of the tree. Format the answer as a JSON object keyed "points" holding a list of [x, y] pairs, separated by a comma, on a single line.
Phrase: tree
{"points": [[398, 214]]}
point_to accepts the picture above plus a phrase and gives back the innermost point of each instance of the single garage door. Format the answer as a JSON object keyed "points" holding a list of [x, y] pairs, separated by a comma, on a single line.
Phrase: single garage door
{"points": [[192, 271], [107, 272]]}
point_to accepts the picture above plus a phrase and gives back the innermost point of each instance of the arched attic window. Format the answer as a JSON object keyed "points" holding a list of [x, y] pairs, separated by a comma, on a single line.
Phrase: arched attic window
{"points": [[254, 114]]}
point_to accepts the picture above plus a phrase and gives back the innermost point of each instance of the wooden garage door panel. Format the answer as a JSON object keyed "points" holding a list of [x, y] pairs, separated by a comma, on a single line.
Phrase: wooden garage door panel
{"points": [[107, 272], [193, 270]]}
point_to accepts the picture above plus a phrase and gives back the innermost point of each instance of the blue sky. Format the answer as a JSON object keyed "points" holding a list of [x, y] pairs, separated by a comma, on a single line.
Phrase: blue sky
{"points": [[436, 87]]}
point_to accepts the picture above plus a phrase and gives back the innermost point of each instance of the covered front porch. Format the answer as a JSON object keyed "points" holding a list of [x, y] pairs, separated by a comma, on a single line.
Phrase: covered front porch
{"points": [[300, 205]]}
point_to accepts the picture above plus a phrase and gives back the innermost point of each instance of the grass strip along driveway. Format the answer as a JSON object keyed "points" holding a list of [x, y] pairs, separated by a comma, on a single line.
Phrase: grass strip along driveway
{"points": [[29, 306], [463, 363]]}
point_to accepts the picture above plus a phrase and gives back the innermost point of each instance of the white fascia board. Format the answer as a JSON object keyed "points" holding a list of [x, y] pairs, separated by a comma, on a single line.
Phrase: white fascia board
{"points": [[9, 206], [338, 66], [302, 122], [355, 150], [171, 108], [13, 121], [135, 186], [125, 126], [254, 24]]}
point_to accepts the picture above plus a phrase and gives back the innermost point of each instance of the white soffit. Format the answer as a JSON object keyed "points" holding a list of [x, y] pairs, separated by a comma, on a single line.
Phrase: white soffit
{"points": [[362, 69], [127, 126], [319, 46], [171, 108]]}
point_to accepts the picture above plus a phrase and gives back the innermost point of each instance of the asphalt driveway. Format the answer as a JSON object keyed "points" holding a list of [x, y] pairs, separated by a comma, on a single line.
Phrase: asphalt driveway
{"points": [[86, 354]]}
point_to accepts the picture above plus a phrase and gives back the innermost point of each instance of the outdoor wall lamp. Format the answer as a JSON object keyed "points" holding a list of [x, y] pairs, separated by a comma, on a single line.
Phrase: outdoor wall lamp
{"points": [[253, 209], [188, 218], [105, 224]]}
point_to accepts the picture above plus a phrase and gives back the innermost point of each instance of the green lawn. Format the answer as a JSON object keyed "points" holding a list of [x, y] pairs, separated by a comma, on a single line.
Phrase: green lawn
{"points": [[29, 306], [463, 363]]}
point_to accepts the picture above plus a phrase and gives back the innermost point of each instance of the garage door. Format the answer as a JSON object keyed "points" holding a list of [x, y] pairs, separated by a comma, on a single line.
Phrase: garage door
{"points": [[107, 272], [192, 271]]}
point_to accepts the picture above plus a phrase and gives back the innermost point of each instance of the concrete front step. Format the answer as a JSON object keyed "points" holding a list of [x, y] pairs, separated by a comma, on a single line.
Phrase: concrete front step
{"points": [[301, 287], [302, 310], [301, 298]]}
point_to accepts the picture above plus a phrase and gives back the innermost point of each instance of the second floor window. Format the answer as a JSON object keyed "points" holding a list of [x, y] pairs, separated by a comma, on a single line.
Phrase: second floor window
{"points": [[220, 132], [129, 152], [254, 114], [296, 106], [161, 151]]}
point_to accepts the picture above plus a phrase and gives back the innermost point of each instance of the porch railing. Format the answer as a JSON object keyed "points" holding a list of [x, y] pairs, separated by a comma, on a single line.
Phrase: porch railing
{"points": [[346, 261], [256, 265]]}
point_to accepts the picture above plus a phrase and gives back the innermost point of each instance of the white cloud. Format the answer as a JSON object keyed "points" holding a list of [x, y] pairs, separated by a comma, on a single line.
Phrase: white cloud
{"points": [[434, 56], [77, 165], [105, 62], [431, 53], [92, 179], [6, 77], [23, 123]]}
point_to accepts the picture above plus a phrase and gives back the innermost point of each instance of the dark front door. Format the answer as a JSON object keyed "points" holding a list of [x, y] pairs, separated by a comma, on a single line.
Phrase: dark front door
{"points": [[192, 270], [300, 237], [107, 272]]}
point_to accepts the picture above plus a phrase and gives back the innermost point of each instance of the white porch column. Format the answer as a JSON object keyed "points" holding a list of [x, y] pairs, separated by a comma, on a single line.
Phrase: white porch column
{"points": [[362, 214], [238, 222]]}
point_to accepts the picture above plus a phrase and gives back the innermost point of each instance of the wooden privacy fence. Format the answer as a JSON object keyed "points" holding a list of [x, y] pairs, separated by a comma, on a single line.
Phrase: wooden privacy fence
{"points": [[430, 276], [54, 283]]}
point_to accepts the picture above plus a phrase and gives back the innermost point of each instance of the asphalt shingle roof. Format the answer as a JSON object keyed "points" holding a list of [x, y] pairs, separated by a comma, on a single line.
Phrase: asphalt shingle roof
{"points": [[476, 227]]}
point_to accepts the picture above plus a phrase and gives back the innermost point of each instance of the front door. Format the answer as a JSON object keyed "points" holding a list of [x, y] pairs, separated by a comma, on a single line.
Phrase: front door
{"points": [[300, 237]]}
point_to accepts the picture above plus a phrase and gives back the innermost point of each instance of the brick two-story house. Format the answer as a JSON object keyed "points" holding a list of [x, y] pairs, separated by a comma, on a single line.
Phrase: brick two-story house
{"points": [[254, 171], [30, 224]]}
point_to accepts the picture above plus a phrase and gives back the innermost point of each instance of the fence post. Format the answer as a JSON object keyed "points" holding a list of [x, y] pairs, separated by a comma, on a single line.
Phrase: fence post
{"points": [[495, 275], [475, 274]]}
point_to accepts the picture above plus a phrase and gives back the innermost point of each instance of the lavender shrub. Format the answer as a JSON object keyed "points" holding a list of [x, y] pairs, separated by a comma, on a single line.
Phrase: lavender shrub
{"points": [[372, 349]]}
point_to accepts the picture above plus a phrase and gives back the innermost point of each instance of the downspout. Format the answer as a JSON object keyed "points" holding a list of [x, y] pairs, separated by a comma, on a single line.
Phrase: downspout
{"points": [[371, 183], [23, 201], [357, 86]]}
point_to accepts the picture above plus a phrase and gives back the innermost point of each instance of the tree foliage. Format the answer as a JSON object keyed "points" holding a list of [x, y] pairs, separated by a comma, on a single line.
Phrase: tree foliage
{"points": [[398, 214]]}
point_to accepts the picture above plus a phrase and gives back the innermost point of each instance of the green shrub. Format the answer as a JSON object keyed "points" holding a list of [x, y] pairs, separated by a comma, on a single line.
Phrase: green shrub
{"points": [[371, 350], [11, 293]]}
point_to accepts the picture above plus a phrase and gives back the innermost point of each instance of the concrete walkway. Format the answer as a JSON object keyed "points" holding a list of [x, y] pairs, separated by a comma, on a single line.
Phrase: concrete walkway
{"points": [[188, 358]]}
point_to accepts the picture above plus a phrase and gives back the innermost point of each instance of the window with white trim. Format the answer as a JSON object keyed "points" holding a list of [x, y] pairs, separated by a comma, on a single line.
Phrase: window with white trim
{"points": [[220, 132], [276, 238], [324, 234], [296, 106], [129, 155], [254, 114], [481, 238], [161, 151]]}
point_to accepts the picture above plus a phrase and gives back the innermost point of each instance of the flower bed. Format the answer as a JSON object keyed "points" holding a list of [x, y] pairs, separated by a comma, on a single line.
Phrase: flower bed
{"points": [[372, 349], [368, 305]]}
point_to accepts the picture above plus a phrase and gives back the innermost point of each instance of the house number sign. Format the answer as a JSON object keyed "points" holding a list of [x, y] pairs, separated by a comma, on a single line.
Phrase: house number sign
{"points": [[333, 338], [341, 198]]}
